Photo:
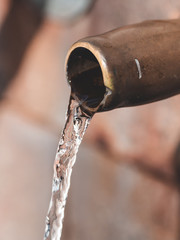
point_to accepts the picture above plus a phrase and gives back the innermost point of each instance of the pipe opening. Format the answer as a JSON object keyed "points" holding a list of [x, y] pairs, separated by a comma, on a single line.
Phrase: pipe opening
{"points": [[85, 77]]}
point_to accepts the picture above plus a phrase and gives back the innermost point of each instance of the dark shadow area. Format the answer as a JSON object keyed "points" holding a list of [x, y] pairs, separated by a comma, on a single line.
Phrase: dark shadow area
{"points": [[176, 164], [85, 77], [22, 22]]}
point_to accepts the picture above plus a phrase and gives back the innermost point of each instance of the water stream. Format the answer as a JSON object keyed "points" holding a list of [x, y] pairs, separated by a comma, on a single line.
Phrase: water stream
{"points": [[75, 127]]}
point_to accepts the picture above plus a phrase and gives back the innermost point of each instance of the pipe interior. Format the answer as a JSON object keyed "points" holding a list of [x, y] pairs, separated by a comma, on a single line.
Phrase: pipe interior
{"points": [[85, 77]]}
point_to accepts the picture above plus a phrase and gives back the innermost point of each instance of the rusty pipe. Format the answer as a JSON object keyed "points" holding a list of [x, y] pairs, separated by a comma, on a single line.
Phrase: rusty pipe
{"points": [[128, 66]]}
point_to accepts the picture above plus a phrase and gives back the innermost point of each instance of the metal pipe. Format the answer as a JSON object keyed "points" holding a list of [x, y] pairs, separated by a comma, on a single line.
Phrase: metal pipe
{"points": [[128, 66]]}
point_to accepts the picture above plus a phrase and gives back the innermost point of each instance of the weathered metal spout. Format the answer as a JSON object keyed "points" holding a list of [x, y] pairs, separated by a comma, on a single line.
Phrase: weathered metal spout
{"points": [[128, 66]]}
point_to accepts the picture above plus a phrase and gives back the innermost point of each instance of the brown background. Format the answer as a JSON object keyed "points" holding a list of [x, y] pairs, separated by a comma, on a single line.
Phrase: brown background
{"points": [[125, 184]]}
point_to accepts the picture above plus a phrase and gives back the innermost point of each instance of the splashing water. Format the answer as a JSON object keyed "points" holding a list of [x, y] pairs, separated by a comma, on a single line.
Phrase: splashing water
{"points": [[75, 127]]}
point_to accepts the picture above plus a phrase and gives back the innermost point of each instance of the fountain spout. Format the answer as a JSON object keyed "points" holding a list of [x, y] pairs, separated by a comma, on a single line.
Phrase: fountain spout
{"points": [[128, 66]]}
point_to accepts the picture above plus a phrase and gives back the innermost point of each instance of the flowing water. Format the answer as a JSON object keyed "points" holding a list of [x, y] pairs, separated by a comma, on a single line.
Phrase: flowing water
{"points": [[75, 127]]}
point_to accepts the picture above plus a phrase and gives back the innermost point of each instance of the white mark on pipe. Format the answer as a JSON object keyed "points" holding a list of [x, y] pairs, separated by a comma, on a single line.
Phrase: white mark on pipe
{"points": [[139, 68]]}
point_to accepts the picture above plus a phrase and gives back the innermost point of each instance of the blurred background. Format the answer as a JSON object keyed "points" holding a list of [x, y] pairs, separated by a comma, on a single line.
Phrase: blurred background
{"points": [[126, 181]]}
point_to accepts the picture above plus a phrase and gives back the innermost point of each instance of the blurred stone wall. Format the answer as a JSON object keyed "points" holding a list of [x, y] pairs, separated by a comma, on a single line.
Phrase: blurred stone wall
{"points": [[125, 184]]}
